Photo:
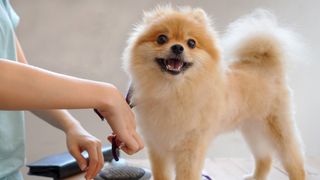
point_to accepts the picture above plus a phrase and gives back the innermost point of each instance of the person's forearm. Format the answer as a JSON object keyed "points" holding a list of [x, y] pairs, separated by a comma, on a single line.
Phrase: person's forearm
{"points": [[60, 119], [25, 87]]}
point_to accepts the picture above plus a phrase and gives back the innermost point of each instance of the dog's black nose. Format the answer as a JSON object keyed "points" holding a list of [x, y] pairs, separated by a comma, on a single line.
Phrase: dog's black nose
{"points": [[177, 49]]}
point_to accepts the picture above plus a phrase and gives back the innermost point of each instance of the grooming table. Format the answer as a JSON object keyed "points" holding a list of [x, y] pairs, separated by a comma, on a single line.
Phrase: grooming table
{"points": [[229, 168]]}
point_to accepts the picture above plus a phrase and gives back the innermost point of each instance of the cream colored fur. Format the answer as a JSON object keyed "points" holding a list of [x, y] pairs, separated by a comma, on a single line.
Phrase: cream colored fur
{"points": [[180, 115]]}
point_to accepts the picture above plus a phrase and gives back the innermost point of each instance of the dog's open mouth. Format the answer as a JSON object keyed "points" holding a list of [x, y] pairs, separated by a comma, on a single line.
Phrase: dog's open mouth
{"points": [[173, 66]]}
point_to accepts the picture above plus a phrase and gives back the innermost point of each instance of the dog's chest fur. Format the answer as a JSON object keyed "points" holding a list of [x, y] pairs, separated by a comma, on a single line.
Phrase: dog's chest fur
{"points": [[166, 118]]}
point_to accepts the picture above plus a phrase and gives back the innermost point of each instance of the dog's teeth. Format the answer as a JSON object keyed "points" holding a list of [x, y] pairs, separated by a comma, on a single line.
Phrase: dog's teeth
{"points": [[173, 66], [176, 68]]}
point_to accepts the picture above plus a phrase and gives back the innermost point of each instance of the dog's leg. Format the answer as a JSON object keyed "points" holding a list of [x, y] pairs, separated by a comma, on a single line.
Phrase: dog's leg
{"points": [[256, 136], [190, 156], [284, 136], [162, 167]]}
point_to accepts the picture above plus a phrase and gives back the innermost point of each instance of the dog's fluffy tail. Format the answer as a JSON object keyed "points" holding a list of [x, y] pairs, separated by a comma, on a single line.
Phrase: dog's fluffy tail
{"points": [[258, 39]]}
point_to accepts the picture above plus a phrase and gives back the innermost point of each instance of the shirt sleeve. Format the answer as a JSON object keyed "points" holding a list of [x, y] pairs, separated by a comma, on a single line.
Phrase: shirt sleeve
{"points": [[14, 18]]}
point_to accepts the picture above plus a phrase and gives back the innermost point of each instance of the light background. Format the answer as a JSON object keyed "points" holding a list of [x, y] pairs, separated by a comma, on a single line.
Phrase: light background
{"points": [[86, 38]]}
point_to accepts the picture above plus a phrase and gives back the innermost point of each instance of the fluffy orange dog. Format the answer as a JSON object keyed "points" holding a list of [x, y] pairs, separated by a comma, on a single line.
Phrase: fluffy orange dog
{"points": [[186, 93]]}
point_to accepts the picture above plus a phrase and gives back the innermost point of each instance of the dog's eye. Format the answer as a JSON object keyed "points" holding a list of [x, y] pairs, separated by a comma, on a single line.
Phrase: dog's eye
{"points": [[162, 39], [191, 43]]}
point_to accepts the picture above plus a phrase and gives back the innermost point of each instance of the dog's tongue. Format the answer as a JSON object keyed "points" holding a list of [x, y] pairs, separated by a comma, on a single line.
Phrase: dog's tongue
{"points": [[178, 64], [174, 64]]}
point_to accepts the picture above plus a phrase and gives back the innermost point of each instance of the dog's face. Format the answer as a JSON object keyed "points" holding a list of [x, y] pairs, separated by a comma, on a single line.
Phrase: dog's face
{"points": [[173, 58], [173, 43]]}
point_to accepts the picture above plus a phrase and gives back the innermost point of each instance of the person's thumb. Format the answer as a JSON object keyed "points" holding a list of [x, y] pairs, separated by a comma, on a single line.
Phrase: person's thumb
{"points": [[82, 162]]}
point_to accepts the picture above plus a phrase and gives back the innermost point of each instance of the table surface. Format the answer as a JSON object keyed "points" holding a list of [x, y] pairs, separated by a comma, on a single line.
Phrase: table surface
{"points": [[236, 168]]}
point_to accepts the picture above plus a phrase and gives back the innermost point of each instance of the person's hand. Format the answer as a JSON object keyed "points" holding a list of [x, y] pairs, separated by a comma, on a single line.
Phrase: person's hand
{"points": [[79, 140], [122, 121]]}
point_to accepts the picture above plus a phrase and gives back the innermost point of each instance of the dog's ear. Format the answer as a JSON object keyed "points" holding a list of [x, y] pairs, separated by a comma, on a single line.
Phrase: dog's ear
{"points": [[200, 15], [156, 13]]}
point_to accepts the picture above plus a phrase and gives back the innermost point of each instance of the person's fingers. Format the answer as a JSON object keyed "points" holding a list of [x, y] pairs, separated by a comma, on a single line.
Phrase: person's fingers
{"points": [[101, 158], [93, 159], [110, 138], [100, 163], [133, 121], [76, 153], [139, 140], [131, 145], [127, 150]]}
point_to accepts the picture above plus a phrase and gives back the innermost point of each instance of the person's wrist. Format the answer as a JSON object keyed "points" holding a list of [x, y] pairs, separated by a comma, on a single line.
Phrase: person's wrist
{"points": [[107, 98], [72, 125]]}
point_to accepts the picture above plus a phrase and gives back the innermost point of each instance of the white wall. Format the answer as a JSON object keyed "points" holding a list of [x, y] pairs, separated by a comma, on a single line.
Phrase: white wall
{"points": [[86, 38]]}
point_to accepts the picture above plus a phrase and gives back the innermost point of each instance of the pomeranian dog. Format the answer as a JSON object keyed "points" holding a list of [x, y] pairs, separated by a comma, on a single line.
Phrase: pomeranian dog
{"points": [[186, 92]]}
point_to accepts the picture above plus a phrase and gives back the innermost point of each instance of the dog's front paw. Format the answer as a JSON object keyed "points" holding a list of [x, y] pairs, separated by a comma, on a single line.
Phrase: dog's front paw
{"points": [[251, 177]]}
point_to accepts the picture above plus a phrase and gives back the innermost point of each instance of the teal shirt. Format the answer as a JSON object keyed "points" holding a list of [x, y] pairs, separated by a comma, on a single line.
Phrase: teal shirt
{"points": [[12, 150]]}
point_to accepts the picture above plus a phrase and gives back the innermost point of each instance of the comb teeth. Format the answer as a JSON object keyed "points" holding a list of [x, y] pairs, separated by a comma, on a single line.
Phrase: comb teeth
{"points": [[121, 173]]}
